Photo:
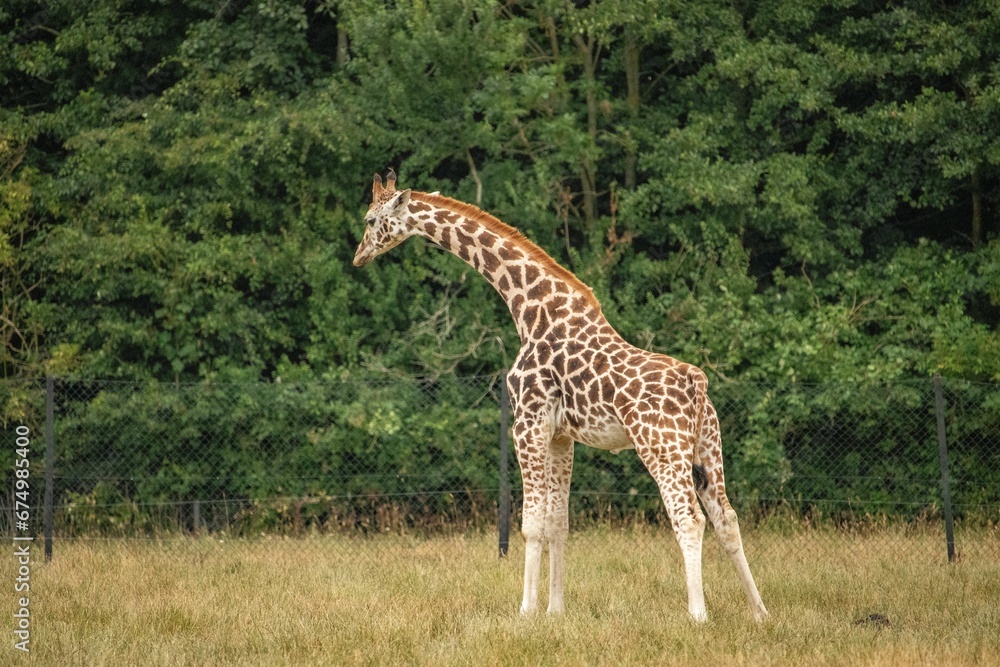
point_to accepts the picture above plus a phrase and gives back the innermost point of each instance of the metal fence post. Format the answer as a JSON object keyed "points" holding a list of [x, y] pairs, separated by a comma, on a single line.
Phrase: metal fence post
{"points": [[50, 455], [949, 526], [504, 500]]}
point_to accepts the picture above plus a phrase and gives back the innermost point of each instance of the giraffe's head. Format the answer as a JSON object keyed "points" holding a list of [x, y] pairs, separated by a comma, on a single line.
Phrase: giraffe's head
{"points": [[386, 221]]}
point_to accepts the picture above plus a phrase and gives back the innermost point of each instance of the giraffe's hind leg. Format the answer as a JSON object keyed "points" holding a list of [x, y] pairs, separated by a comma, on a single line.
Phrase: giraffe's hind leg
{"points": [[672, 473], [720, 512]]}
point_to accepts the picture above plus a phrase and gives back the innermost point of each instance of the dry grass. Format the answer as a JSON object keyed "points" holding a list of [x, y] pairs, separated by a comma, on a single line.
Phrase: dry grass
{"points": [[449, 601]]}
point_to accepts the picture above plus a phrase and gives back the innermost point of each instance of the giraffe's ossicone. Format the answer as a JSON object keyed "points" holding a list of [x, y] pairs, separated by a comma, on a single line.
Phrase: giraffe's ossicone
{"points": [[576, 380]]}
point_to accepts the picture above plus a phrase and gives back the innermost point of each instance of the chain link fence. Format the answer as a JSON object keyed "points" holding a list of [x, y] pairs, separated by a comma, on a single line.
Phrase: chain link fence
{"points": [[333, 464]]}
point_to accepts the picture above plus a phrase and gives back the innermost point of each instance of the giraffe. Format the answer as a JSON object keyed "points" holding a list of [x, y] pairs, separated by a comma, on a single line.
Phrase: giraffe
{"points": [[575, 379]]}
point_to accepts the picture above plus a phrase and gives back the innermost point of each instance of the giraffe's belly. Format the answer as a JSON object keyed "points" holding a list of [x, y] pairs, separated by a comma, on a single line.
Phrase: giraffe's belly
{"points": [[609, 434]]}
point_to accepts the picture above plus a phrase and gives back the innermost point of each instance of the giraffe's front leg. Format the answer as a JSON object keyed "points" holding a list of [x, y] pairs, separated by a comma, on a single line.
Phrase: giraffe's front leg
{"points": [[560, 470], [530, 444]]}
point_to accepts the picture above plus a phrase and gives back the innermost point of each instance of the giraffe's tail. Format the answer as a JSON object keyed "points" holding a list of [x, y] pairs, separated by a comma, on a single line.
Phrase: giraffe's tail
{"points": [[699, 383]]}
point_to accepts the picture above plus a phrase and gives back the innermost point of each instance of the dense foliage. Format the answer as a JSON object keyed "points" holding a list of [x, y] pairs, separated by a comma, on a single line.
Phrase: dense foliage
{"points": [[768, 189], [782, 191]]}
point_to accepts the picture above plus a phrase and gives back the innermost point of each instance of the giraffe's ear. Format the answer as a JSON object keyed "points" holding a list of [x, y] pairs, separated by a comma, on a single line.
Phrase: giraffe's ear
{"points": [[400, 202]]}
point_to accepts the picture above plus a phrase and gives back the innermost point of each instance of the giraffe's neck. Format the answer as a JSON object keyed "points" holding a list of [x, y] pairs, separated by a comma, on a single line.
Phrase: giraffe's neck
{"points": [[540, 294]]}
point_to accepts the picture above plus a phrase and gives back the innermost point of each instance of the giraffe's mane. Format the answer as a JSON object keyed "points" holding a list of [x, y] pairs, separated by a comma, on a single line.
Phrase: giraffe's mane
{"points": [[512, 234]]}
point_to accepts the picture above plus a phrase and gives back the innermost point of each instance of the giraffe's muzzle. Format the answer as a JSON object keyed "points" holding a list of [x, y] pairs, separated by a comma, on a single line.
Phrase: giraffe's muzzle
{"points": [[362, 257]]}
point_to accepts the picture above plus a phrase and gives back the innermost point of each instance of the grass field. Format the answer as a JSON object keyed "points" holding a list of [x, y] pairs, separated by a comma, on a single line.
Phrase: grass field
{"points": [[449, 601]]}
